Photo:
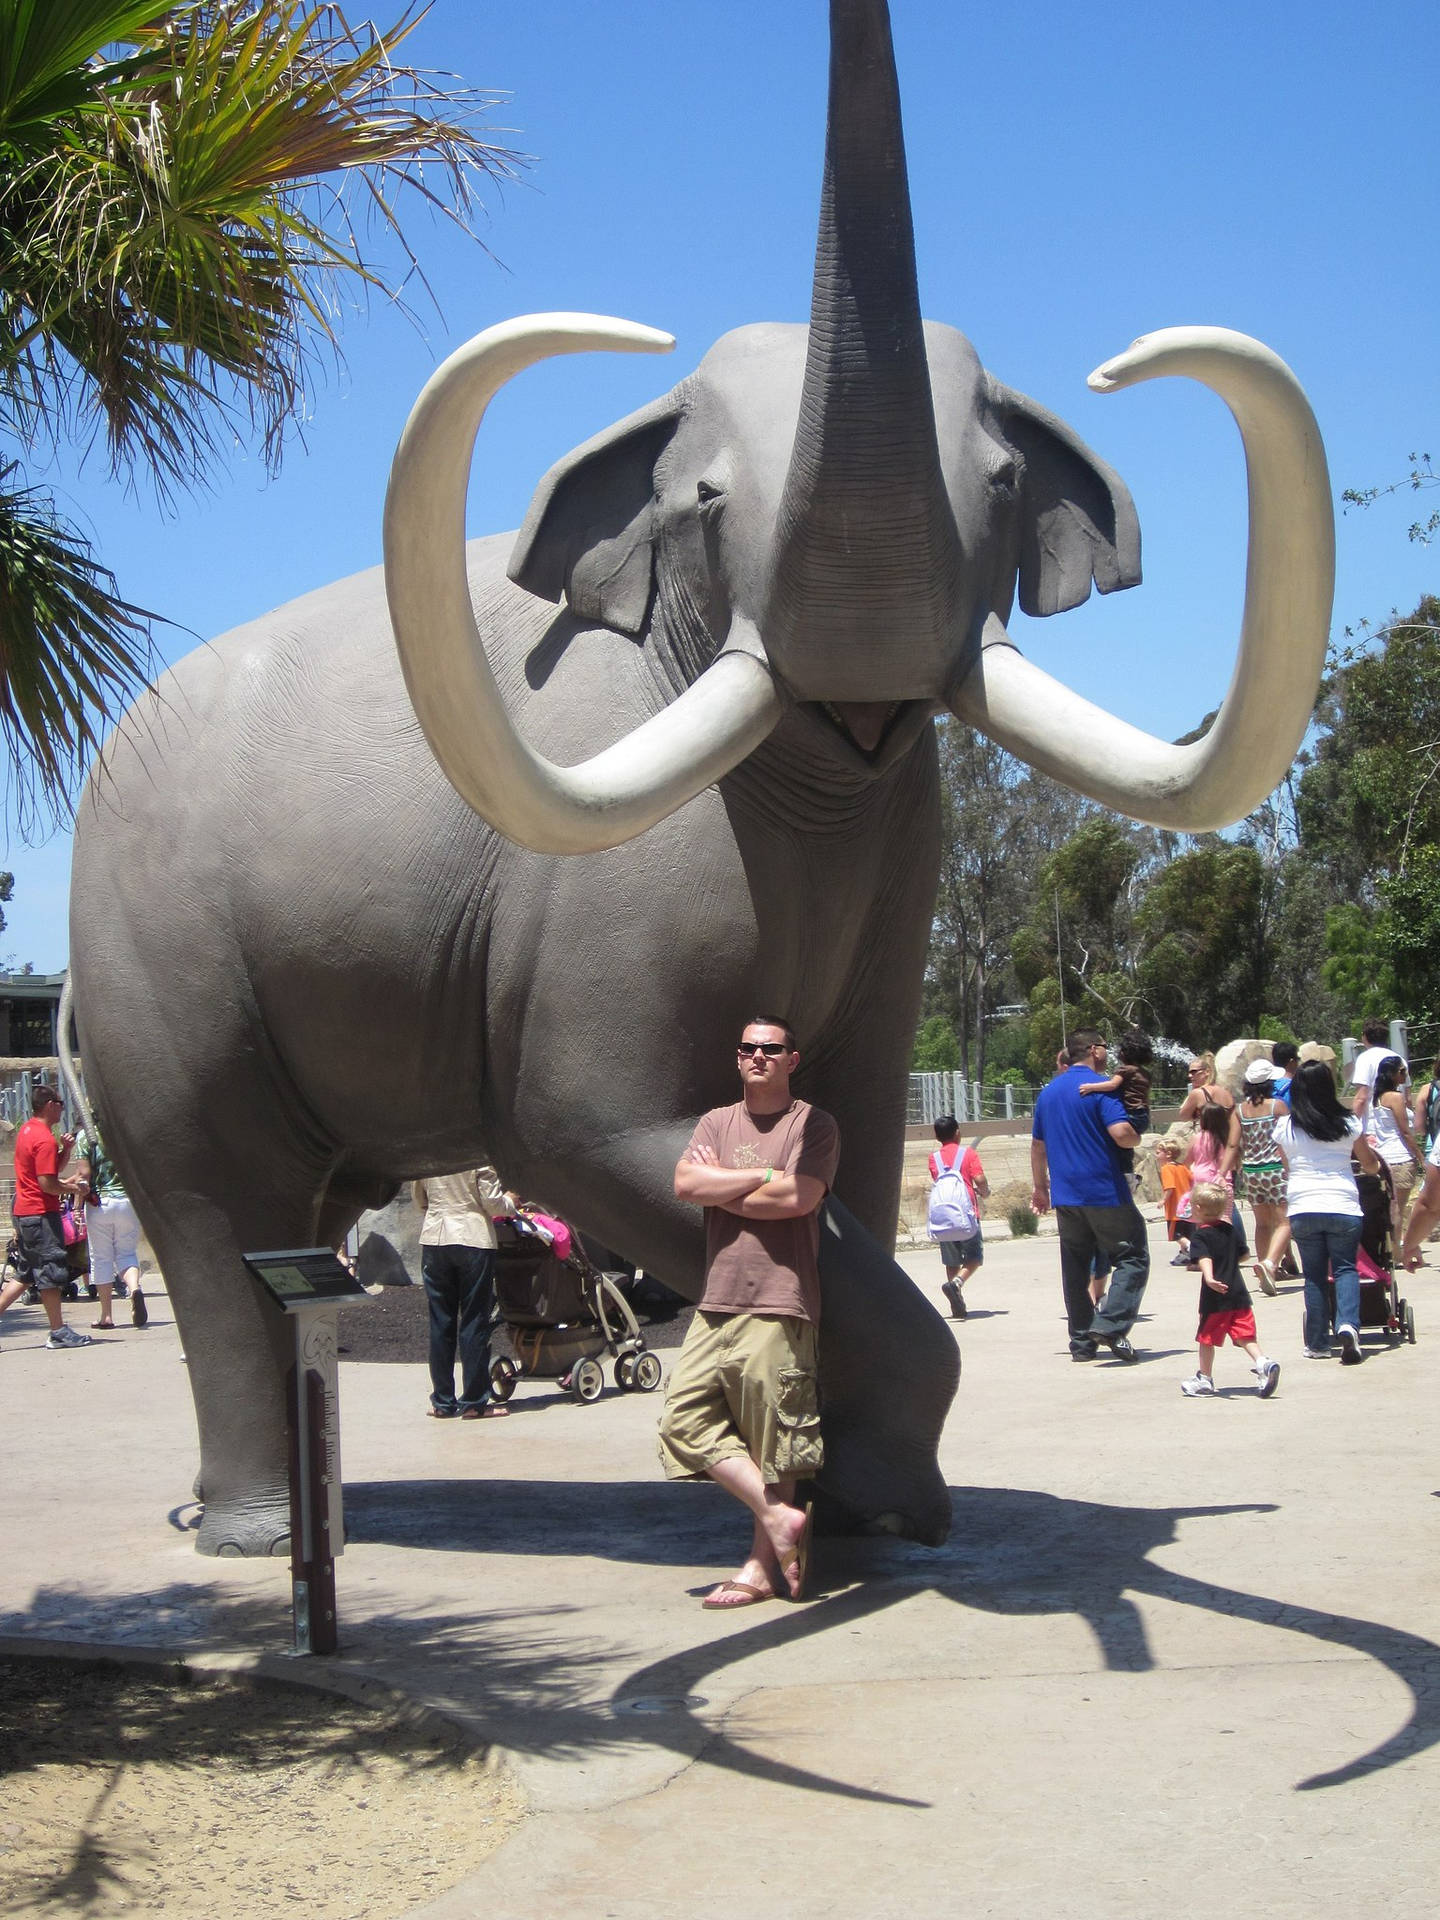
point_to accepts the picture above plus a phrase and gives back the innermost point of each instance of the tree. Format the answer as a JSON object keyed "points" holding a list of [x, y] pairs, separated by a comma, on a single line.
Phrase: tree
{"points": [[1420, 479], [936, 1048], [1373, 786], [1369, 812], [1204, 959], [175, 242], [998, 821], [1093, 884]]}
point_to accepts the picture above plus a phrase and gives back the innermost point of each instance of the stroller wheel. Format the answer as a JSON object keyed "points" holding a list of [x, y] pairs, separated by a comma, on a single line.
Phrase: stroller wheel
{"points": [[1407, 1320], [647, 1372], [625, 1373], [587, 1382], [503, 1375]]}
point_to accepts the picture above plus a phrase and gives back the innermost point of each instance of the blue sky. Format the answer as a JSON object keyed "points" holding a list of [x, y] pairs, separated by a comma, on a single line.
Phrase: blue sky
{"points": [[1079, 176]]}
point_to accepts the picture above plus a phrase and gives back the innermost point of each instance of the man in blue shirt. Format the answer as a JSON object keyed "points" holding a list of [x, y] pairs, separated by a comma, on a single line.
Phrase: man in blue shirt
{"points": [[1074, 1166]]}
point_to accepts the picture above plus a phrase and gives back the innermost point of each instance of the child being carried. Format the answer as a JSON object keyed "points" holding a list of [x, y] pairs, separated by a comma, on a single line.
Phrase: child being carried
{"points": [[1131, 1084]]}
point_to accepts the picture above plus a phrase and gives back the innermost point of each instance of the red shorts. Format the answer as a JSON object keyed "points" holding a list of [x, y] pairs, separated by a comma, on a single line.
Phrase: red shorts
{"points": [[1239, 1324]]}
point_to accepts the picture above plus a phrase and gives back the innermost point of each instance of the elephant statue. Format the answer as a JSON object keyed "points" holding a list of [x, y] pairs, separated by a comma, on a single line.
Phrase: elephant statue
{"points": [[492, 854]]}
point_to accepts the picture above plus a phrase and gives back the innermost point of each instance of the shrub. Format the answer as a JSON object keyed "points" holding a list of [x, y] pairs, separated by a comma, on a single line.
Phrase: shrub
{"points": [[1023, 1221]]}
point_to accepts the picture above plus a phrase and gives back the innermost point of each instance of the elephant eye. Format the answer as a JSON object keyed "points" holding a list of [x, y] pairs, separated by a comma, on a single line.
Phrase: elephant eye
{"points": [[1005, 474], [707, 492]]}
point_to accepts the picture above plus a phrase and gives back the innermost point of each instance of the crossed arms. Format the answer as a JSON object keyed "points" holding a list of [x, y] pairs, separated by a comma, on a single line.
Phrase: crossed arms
{"points": [[755, 1193]]}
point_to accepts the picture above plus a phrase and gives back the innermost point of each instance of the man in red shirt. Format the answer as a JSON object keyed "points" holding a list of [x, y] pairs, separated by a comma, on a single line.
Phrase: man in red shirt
{"points": [[743, 1408], [39, 1182]]}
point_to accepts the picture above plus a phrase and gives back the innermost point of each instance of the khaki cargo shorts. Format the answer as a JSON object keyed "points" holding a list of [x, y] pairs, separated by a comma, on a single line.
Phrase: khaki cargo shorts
{"points": [[744, 1384]]}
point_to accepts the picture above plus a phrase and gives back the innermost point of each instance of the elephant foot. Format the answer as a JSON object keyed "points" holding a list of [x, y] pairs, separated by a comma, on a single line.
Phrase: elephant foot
{"points": [[245, 1531], [861, 1490], [889, 1370]]}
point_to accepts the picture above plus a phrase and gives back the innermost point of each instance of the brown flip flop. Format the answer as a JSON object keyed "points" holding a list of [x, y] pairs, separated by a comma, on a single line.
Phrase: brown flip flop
{"points": [[712, 1603], [492, 1412]]}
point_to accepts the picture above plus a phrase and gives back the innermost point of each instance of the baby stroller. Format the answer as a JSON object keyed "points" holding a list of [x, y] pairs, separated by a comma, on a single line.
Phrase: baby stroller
{"points": [[1380, 1303], [561, 1312]]}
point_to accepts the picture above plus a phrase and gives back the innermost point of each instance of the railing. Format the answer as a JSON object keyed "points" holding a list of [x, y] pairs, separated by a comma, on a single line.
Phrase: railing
{"points": [[15, 1098], [932, 1094], [16, 1084]]}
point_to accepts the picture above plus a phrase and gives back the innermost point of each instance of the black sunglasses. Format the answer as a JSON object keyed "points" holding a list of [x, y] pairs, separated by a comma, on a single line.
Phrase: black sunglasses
{"points": [[747, 1049]]}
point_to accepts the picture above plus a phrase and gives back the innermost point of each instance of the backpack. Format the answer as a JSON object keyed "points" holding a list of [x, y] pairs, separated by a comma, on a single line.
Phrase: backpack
{"points": [[951, 1214]]}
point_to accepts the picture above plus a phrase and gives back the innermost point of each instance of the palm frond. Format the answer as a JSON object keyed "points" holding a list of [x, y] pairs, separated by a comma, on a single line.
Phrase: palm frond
{"points": [[186, 250], [177, 236], [72, 652]]}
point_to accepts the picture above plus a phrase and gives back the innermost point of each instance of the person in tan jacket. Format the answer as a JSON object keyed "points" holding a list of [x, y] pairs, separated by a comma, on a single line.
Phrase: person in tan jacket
{"points": [[457, 1265]]}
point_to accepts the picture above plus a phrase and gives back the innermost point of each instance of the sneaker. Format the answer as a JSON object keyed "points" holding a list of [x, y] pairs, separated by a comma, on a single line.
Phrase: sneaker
{"points": [[1119, 1346], [1317, 1353], [1197, 1386], [1182, 1259], [1351, 1352], [1083, 1349], [68, 1337], [952, 1294], [1268, 1374]]}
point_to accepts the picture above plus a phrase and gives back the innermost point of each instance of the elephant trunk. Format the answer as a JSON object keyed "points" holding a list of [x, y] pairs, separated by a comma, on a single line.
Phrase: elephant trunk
{"points": [[865, 543]]}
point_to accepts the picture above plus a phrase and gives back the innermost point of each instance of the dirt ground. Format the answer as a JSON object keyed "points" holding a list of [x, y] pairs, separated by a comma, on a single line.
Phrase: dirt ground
{"points": [[126, 1792]]}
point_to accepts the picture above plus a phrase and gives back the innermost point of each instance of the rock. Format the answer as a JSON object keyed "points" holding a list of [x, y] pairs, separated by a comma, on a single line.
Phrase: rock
{"points": [[1312, 1050], [390, 1244], [1233, 1058]]}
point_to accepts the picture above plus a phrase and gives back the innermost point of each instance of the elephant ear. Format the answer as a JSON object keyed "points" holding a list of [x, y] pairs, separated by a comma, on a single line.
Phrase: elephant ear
{"points": [[1077, 520], [589, 534]]}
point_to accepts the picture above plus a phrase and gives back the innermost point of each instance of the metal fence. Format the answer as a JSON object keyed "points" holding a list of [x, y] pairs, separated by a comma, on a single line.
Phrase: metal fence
{"points": [[15, 1088], [932, 1094]]}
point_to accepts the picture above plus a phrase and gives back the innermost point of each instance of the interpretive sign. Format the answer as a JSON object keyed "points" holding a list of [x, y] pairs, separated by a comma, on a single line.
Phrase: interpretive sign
{"points": [[310, 1284]]}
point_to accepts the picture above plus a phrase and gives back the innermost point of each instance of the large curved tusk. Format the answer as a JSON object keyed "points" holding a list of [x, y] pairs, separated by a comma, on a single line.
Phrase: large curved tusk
{"points": [[1289, 583], [708, 730]]}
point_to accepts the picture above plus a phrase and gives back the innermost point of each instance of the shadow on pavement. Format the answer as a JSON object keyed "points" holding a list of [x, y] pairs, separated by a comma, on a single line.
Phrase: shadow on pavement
{"points": [[537, 1682], [1011, 1551]]}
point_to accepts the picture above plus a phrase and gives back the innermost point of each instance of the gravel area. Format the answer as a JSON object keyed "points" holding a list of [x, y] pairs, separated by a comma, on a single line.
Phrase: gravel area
{"points": [[124, 1791]]}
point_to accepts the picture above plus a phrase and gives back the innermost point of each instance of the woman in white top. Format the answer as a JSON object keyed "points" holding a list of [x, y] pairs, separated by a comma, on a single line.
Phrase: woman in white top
{"points": [[1316, 1140], [1387, 1124]]}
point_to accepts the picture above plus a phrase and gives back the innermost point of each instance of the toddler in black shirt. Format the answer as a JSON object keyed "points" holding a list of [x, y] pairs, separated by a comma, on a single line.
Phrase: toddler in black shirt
{"points": [[1226, 1309]]}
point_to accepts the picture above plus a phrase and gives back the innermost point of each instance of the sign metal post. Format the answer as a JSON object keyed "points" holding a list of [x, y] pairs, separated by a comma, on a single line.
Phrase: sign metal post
{"points": [[309, 1285]]}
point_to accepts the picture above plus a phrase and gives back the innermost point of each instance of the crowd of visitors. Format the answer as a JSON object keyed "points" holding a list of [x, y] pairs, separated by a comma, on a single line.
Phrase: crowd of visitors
{"points": [[1287, 1146]]}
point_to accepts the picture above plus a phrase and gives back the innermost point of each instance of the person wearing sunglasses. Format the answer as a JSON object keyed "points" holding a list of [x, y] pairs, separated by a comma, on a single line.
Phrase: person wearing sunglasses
{"points": [[742, 1407]]}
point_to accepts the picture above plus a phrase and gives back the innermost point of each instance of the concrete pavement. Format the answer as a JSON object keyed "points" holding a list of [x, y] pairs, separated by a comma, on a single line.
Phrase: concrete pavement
{"points": [[1174, 1654]]}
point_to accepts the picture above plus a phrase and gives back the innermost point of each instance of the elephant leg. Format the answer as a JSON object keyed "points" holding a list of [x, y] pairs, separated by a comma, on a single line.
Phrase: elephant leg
{"points": [[251, 1192], [889, 1367]]}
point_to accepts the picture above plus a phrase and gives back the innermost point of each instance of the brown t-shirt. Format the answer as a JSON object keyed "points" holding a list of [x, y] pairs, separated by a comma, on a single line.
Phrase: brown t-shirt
{"points": [[766, 1266]]}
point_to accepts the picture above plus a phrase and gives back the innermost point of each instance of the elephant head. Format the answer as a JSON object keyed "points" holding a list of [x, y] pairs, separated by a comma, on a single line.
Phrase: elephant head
{"points": [[843, 514]]}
